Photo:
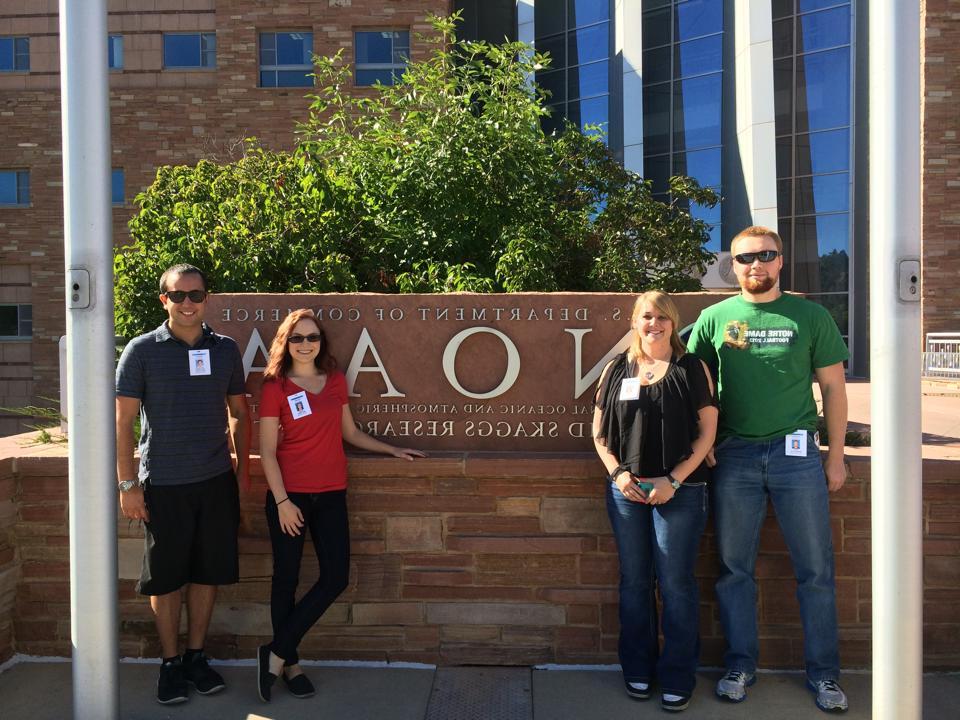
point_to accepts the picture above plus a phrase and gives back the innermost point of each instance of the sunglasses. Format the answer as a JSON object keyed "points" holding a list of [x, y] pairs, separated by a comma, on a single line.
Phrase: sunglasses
{"points": [[312, 337], [762, 256], [178, 296]]}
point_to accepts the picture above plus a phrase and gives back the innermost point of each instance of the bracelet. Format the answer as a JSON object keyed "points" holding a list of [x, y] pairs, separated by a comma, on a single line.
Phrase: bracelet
{"points": [[283, 501]]}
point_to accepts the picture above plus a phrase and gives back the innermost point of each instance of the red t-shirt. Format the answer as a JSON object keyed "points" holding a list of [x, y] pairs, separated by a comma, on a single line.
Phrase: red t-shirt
{"points": [[309, 447]]}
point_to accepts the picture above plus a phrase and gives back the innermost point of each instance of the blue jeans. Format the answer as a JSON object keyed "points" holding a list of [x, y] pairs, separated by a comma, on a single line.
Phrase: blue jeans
{"points": [[746, 473], [659, 543]]}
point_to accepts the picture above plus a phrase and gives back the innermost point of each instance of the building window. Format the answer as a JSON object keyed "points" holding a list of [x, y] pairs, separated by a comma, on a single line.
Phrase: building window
{"points": [[16, 322], [14, 54], [189, 50], [286, 59], [116, 186], [813, 102], [115, 52], [14, 187], [381, 56], [577, 36], [682, 98]]}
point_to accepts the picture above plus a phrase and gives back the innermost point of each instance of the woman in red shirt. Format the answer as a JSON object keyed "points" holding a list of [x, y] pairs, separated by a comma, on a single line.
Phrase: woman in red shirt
{"points": [[304, 419]]}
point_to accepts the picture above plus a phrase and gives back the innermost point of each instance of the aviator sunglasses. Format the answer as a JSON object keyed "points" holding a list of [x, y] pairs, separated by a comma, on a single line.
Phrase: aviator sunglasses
{"points": [[178, 296], [312, 337], [762, 256]]}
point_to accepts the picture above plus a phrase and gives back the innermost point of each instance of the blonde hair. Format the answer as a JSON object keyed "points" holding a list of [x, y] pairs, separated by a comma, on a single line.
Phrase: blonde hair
{"points": [[662, 302]]}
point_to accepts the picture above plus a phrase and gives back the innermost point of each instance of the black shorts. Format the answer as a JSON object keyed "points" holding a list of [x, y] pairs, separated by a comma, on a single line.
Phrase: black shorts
{"points": [[191, 536]]}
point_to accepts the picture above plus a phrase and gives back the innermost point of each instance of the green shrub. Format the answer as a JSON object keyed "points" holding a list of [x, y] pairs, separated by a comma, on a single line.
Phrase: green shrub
{"points": [[442, 182]]}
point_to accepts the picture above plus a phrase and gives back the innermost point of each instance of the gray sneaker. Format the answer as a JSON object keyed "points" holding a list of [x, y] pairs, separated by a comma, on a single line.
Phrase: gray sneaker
{"points": [[733, 686], [830, 696]]}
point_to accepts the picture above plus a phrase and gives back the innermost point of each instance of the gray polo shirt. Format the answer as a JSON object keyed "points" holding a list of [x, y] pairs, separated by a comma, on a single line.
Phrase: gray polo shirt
{"points": [[183, 416]]}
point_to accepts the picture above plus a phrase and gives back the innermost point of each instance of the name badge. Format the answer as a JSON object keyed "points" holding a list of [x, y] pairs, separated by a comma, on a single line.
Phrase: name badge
{"points": [[299, 405], [199, 362], [630, 389], [796, 444]]}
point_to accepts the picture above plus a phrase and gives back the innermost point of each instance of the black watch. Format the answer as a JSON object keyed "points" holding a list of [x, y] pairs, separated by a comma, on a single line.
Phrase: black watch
{"points": [[674, 483]]}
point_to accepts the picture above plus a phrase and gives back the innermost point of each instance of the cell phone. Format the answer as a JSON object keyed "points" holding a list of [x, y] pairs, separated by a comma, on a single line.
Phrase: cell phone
{"points": [[645, 486]]}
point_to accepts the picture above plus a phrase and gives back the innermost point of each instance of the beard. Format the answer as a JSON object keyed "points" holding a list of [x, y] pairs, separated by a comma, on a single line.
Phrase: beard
{"points": [[758, 286]]}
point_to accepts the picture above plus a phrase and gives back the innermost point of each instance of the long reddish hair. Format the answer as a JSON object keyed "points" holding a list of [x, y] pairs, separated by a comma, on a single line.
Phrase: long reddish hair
{"points": [[280, 361]]}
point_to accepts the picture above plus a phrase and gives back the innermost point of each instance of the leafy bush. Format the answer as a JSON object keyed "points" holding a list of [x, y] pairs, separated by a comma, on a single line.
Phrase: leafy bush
{"points": [[442, 182]]}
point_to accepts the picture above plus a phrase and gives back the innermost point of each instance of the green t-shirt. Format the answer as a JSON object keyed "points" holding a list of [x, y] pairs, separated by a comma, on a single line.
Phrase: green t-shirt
{"points": [[763, 356]]}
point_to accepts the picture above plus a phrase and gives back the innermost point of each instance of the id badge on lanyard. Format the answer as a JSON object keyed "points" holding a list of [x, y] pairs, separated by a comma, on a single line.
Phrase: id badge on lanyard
{"points": [[299, 405], [630, 389], [199, 362]]}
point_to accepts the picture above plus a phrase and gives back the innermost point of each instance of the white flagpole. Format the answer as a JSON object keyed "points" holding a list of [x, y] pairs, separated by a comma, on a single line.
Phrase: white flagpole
{"points": [[895, 359], [88, 251]]}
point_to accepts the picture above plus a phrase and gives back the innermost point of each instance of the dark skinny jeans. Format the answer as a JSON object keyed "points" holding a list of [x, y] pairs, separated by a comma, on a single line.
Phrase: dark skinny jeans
{"points": [[325, 514]]}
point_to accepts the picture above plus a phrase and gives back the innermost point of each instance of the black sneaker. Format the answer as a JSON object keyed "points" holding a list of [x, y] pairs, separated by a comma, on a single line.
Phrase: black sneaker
{"points": [[204, 679], [172, 683], [299, 685]]}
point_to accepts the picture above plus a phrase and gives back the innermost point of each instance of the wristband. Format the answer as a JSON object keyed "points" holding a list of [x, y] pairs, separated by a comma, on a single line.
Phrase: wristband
{"points": [[282, 501]]}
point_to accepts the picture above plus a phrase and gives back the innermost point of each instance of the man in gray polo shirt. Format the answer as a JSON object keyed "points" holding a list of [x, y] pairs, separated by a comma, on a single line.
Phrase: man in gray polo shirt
{"points": [[181, 379]]}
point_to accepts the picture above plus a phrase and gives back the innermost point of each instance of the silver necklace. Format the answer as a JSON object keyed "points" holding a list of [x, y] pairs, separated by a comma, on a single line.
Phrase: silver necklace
{"points": [[647, 374]]}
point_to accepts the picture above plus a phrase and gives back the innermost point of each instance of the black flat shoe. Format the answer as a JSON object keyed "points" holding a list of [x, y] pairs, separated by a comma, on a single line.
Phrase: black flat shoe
{"points": [[674, 702], [299, 686], [265, 678], [638, 690]]}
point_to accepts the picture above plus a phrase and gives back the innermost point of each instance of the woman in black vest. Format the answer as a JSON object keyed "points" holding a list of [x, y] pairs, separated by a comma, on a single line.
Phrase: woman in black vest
{"points": [[654, 423]]}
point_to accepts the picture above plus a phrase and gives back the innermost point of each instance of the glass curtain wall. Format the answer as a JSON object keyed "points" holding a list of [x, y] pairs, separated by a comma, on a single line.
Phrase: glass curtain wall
{"points": [[682, 97], [813, 85], [578, 36]]}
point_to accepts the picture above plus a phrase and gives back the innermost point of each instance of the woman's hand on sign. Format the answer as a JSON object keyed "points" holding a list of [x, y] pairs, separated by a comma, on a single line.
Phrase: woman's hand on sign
{"points": [[407, 453]]}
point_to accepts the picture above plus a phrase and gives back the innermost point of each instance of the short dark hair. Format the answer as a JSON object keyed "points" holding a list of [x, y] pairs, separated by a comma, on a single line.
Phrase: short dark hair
{"points": [[181, 269]]}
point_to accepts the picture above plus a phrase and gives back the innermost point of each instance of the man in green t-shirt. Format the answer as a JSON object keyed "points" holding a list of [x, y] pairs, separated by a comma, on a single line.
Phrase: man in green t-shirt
{"points": [[764, 347]]}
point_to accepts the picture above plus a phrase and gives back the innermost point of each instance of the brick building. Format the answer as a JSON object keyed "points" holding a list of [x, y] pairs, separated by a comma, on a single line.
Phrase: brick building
{"points": [[941, 165], [192, 78], [175, 97]]}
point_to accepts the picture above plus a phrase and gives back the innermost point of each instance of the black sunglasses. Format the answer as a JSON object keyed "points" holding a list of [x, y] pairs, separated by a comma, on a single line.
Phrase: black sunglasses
{"points": [[312, 337], [762, 256], [178, 296]]}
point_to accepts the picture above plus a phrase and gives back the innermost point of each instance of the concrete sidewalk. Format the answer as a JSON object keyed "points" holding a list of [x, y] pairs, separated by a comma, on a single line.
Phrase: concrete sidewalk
{"points": [[939, 422], [42, 691]]}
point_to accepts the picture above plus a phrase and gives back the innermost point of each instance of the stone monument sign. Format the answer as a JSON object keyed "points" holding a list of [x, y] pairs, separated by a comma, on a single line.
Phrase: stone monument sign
{"points": [[462, 371]]}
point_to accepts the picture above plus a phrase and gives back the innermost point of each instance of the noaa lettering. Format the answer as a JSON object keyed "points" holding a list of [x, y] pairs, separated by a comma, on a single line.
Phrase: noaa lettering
{"points": [[450, 358], [463, 371]]}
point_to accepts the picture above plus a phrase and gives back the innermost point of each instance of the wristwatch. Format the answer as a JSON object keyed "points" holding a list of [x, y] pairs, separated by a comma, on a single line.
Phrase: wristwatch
{"points": [[674, 483], [128, 485]]}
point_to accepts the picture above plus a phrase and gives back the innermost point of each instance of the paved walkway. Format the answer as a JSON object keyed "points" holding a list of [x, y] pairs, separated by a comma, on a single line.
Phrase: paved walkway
{"points": [[940, 417], [42, 691]]}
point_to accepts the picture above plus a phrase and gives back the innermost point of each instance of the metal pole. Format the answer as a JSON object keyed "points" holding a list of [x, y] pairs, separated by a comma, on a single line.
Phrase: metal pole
{"points": [[895, 359], [90, 354]]}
